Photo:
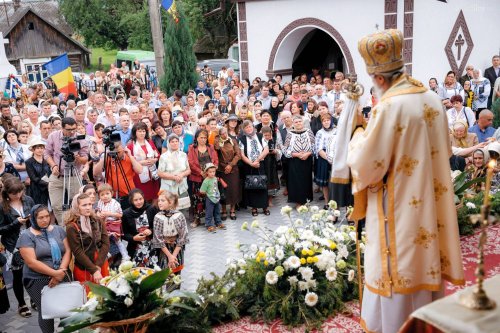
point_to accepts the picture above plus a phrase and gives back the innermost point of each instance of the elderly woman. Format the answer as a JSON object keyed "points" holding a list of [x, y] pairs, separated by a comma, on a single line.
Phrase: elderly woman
{"points": [[17, 154], [46, 254], [144, 151], [229, 155], [299, 147], [173, 170], [482, 88], [199, 154], [450, 87], [460, 137], [460, 112], [88, 240], [137, 223], [253, 152]]}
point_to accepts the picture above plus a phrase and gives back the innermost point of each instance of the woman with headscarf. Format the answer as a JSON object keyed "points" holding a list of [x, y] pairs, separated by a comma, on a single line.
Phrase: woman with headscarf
{"points": [[46, 253], [460, 136], [479, 166], [88, 240], [253, 152], [137, 223], [229, 155], [275, 109], [173, 170], [299, 147]]}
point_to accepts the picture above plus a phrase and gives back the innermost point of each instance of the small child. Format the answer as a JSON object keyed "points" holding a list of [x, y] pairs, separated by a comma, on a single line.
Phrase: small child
{"points": [[212, 205], [110, 211]]}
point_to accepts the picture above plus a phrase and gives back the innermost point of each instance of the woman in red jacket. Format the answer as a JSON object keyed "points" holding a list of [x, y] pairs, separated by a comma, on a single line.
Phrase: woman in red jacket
{"points": [[199, 154]]}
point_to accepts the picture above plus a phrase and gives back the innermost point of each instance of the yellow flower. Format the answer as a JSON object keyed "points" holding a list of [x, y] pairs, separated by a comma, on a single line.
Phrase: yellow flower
{"points": [[257, 259], [261, 254], [316, 259], [333, 246], [302, 261], [304, 252], [135, 274], [266, 262], [310, 260], [310, 252]]}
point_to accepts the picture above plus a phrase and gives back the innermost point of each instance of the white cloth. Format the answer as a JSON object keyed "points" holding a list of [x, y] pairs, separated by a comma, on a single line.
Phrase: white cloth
{"points": [[465, 114], [139, 155]]}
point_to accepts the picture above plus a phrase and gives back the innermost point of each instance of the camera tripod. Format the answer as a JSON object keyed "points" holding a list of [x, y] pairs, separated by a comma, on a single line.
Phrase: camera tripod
{"points": [[111, 160], [69, 171]]}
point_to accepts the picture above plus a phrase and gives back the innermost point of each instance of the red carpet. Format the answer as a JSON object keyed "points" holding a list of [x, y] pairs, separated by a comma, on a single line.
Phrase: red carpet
{"points": [[348, 323]]}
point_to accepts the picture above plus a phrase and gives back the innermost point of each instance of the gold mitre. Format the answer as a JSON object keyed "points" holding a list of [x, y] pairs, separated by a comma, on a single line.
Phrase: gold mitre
{"points": [[382, 51]]}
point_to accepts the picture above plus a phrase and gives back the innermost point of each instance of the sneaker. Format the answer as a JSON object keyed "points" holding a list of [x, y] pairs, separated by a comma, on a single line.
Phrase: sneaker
{"points": [[212, 229], [221, 226]]}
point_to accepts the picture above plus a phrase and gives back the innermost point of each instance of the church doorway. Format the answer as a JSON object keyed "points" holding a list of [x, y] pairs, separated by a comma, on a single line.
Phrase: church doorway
{"points": [[306, 43], [317, 50]]}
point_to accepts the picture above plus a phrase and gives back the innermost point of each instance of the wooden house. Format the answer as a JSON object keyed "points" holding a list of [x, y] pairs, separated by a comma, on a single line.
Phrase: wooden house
{"points": [[37, 32]]}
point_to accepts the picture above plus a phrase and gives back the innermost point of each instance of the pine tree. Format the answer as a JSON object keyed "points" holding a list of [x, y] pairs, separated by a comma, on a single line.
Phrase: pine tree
{"points": [[179, 61]]}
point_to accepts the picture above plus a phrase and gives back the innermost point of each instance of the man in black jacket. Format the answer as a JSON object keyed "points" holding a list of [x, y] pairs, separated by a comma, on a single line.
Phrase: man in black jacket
{"points": [[492, 73]]}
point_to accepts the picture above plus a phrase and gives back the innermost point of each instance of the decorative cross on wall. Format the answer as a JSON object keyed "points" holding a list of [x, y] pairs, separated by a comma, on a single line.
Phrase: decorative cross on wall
{"points": [[458, 43]]}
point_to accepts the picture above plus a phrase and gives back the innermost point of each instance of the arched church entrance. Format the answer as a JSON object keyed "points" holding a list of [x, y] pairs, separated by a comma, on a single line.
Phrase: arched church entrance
{"points": [[307, 43], [317, 50]]}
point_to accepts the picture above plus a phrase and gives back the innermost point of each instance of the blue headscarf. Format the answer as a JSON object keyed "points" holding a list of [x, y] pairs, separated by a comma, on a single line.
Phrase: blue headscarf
{"points": [[55, 250]]}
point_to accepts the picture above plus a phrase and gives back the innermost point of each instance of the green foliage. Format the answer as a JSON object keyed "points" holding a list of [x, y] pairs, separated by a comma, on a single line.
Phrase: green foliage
{"points": [[220, 28], [108, 58], [109, 23], [179, 61]]}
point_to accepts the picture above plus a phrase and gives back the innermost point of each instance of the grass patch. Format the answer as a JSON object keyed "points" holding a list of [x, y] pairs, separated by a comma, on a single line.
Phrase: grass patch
{"points": [[108, 57]]}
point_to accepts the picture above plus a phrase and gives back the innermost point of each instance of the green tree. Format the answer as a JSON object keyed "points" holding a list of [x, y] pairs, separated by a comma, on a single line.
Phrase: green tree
{"points": [[219, 27], [179, 60], [107, 23]]}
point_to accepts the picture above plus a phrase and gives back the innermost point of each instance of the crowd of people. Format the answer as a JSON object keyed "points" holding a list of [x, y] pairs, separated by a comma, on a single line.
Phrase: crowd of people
{"points": [[120, 170]]}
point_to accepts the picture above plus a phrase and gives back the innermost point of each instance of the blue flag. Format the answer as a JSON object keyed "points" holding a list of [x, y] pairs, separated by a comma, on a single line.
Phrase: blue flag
{"points": [[167, 4]]}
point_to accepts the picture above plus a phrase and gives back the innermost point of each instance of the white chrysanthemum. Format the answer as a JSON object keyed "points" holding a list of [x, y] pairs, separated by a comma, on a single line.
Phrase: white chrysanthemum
{"points": [[282, 240], [352, 235], [332, 204], [470, 205], [128, 302], [302, 285], [91, 304], [281, 230], [315, 217], [119, 286], [299, 222], [286, 210], [314, 209], [302, 209], [307, 234], [306, 272], [244, 226], [293, 280], [291, 240], [311, 299], [232, 266], [255, 224], [271, 277], [271, 261], [331, 274], [280, 254], [350, 277], [241, 272], [362, 247], [126, 266], [325, 260], [336, 213], [293, 262], [330, 218], [311, 284], [254, 248]]}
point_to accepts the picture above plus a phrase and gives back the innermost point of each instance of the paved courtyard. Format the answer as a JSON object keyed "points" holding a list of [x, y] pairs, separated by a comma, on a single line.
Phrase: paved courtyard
{"points": [[205, 253]]}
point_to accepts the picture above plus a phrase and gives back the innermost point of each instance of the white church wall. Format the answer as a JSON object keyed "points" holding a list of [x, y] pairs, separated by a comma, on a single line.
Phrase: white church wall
{"points": [[433, 24], [266, 19]]}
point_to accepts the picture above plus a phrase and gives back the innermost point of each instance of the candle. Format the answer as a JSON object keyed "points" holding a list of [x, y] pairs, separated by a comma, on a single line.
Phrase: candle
{"points": [[489, 176]]}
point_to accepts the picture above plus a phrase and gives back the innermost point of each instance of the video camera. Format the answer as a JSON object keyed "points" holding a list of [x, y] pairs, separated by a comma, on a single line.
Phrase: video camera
{"points": [[69, 147], [109, 138]]}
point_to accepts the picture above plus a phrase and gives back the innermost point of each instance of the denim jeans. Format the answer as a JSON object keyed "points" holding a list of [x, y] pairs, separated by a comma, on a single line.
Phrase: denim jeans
{"points": [[212, 210]]}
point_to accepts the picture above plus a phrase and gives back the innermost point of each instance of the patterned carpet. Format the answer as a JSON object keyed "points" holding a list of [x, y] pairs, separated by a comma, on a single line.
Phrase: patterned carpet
{"points": [[349, 322]]}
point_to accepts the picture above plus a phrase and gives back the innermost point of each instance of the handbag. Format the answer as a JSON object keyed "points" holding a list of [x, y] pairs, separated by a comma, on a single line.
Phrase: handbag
{"points": [[256, 182], [58, 301]]}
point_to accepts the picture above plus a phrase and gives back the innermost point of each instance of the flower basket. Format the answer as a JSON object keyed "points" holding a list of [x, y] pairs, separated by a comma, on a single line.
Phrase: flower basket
{"points": [[133, 325]]}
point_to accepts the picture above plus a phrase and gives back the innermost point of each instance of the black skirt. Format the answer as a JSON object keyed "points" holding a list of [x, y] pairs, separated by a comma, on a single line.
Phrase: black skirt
{"points": [[341, 193], [299, 182], [254, 198], [323, 171]]}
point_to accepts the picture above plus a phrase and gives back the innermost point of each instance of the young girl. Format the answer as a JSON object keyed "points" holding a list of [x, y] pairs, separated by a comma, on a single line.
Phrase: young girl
{"points": [[170, 232], [210, 188], [110, 211]]}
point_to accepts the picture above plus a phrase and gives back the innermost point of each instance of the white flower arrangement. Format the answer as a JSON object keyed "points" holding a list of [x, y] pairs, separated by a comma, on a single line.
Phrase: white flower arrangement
{"points": [[272, 277], [470, 205], [311, 299]]}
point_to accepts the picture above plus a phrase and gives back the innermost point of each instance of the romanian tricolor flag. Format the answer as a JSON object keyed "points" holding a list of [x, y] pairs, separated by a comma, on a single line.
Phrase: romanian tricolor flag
{"points": [[60, 70]]}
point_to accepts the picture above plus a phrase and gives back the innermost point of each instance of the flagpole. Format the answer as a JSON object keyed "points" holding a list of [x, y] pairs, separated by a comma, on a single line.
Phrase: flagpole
{"points": [[155, 19]]}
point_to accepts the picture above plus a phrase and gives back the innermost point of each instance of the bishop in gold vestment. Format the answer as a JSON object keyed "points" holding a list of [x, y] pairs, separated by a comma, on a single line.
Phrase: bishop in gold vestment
{"points": [[402, 184]]}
